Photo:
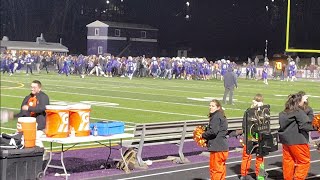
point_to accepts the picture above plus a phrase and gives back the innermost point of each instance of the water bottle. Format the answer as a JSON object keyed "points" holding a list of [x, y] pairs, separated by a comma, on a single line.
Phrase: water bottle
{"points": [[95, 130]]}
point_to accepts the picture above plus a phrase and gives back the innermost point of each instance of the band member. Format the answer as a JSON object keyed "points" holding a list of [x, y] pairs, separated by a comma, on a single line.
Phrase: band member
{"points": [[217, 141], [294, 136], [246, 158]]}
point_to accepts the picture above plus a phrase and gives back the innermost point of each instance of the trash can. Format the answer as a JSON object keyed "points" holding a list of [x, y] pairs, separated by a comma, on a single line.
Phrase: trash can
{"points": [[21, 164]]}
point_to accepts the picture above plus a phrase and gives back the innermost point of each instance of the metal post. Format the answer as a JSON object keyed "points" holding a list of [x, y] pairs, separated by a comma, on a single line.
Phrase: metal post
{"points": [[139, 158], [266, 51], [183, 136]]}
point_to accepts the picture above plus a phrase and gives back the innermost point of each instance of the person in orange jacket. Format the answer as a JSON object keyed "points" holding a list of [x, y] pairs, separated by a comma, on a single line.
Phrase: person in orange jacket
{"points": [[294, 136], [217, 143], [246, 158]]}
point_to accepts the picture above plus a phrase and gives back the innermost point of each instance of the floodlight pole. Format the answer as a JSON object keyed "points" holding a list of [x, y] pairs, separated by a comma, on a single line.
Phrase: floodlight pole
{"points": [[266, 51]]}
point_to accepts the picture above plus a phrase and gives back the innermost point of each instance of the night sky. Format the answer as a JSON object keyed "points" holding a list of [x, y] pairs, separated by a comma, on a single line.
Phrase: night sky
{"points": [[216, 28]]}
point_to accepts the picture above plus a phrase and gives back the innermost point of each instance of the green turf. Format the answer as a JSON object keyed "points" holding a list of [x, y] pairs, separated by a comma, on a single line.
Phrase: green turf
{"points": [[150, 100]]}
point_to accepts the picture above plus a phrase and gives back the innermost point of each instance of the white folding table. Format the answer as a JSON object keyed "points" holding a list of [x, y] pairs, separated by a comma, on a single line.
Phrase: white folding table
{"points": [[76, 140]]}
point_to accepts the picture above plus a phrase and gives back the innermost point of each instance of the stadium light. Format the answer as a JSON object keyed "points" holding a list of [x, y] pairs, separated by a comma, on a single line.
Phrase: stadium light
{"points": [[107, 2], [187, 3]]}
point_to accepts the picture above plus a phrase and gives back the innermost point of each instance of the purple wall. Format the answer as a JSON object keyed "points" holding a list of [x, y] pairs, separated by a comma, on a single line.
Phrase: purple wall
{"points": [[133, 33], [102, 32], [116, 46], [92, 46]]}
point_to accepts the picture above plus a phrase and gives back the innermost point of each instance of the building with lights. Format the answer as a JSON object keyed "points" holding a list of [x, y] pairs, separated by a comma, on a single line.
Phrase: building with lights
{"points": [[39, 46], [121, 39]]}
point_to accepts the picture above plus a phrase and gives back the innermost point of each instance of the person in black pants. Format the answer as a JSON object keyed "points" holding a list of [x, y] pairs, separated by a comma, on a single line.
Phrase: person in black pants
{"points": [[230, 82], [45, 61]]}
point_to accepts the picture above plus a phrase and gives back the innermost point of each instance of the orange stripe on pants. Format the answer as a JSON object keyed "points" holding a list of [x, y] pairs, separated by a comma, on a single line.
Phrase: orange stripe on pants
{"points": [[246, 162], [217, 165], [296, 161]]}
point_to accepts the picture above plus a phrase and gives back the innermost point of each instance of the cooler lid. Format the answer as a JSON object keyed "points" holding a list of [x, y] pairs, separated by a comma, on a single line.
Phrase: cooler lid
{"points": [[109, 123], [26, 152]]}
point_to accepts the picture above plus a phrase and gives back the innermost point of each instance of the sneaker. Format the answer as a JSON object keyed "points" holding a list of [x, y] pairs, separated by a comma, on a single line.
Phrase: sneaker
{"points": [[14, 140]]}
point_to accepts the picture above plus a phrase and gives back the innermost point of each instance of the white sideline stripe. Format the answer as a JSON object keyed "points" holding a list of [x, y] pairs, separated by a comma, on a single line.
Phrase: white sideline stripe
{"points": [[108, 89], [208, 84], [163, 101], [145, 110], [75, 78], [201, 167], [184, 104], [144, 93], [117, 90], [113, 119], [160, 89], [154, 88], [133, 99]]}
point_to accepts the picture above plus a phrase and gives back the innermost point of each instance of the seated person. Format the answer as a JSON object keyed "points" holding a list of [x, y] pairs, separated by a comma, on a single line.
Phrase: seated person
{"points": [[34, 105]]}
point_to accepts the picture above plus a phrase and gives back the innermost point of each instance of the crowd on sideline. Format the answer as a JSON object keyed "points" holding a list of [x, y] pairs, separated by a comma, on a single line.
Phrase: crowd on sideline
{"points": [[156, 67]]}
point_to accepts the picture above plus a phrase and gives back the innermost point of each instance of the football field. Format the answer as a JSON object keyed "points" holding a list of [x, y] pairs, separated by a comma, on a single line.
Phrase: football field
{"points": [[142, 100]]}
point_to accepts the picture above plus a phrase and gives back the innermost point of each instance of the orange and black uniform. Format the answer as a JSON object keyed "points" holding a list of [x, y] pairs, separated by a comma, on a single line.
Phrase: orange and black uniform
{"points": [[246, 158], [217, 145], [37, 106], [294, 136]]}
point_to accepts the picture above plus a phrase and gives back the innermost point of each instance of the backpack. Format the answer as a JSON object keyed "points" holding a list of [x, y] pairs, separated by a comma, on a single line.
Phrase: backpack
{"points": [[130, 157]]}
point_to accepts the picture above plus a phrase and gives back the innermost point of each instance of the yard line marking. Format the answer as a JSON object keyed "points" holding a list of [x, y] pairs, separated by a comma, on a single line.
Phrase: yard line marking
{"points": [[200, 167], [205, 83], [20, 85], [162, 89], [11, 129], [122, 121], [309, 95], [74, 78], [155, 88], [133, 99], [135, 109], [124, 98], [203, 105]]}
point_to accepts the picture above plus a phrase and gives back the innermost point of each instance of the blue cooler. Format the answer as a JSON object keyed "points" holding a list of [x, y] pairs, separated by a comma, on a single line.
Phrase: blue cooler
{"points": [[106, 128]]}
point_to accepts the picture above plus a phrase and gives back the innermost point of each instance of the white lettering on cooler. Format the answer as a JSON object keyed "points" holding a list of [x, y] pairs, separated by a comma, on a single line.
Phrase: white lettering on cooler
{"points": [[63, 127], [19, 127], [84, 125]]}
